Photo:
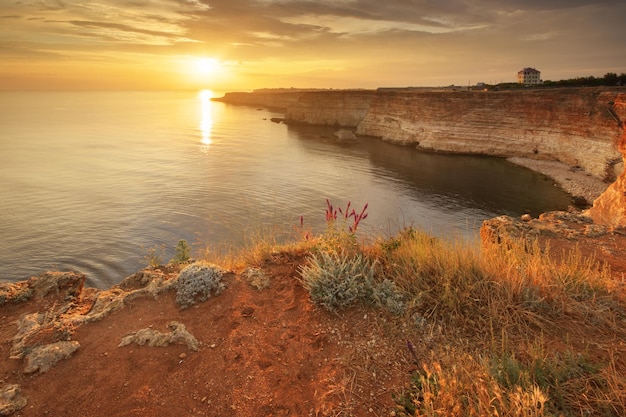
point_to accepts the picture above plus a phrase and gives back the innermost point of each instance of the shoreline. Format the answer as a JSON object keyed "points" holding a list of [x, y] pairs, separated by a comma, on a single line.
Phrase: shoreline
{"points": [[578, 183]]}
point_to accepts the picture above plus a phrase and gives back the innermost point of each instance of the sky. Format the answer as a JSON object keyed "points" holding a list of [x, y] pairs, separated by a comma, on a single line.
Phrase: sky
{"points": [[229, 45]]}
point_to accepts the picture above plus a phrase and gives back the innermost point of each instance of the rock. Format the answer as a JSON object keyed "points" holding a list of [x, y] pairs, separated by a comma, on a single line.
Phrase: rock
{"points": [[345, 136], [151, 337], [511, 123], [579, 201], [13, 293], [11, 399], [67, 284], [505, 230], [140, 284], [42, 358], [76, 306], [526, 217], [610, 208], [256, 278], [277, 119], [28, 326]]}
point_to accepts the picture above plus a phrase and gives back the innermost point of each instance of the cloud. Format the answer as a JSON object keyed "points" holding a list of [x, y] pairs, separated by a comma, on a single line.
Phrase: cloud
{"points": [[371, 38]]}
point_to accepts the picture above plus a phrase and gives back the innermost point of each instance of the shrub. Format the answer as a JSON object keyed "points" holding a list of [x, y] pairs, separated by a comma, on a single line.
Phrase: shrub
{"points": [[386, 294], [196, 283], [335, 281], [182, 252], [154, 257]]}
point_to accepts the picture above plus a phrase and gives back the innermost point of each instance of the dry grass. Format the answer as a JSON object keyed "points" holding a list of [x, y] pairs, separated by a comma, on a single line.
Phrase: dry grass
{"points": [[503, 330], [542, 330], [506, 331]]}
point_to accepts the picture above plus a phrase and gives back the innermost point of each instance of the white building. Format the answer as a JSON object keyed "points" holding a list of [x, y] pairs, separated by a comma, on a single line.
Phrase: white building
{"points": [[529, 76]]}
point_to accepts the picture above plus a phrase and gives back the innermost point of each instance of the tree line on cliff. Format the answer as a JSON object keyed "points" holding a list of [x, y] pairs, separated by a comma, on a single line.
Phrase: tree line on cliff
{"points": [[610, 79]]}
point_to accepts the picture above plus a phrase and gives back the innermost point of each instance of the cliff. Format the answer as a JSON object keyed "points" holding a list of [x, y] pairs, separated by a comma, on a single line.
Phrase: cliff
{"points": [[331, 108], [610, 208], [276, 99], [576, 126]]}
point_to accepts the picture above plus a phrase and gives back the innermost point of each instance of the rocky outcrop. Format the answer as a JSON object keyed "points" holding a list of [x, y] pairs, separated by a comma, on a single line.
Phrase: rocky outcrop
{"points": [[61, 305], [610, 208]]}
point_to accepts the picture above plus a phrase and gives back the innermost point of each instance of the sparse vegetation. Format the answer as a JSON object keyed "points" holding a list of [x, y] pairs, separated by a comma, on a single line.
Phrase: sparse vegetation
{"points": [[508, 330], [497, 330], [182, 252], [154, 255]]}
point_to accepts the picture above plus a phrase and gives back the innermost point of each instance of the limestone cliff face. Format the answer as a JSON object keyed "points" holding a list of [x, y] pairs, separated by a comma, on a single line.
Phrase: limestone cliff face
{"points": [[610, 208], [331, 108], [578, 127], [277, 99]]}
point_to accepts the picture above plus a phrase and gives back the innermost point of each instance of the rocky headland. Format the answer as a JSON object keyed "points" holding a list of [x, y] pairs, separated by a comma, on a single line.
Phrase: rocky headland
{"points": [[571, 132], [574, 135]]}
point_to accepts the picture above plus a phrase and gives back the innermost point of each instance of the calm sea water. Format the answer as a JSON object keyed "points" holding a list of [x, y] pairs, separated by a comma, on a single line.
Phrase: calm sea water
{"points": [[90, 181]]}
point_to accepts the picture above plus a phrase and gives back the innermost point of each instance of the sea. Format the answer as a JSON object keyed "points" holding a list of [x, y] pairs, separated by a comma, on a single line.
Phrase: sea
{"points": [[100, 182]]}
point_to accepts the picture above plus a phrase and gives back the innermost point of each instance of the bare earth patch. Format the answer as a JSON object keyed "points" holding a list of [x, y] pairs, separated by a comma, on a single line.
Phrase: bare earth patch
{"points": [[262, 352]]}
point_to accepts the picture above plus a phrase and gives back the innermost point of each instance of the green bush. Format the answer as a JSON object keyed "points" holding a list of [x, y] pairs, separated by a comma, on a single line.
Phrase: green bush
{"points": [[182, 252]]}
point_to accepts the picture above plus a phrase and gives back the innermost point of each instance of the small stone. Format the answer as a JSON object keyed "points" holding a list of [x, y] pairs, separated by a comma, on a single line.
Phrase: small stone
{"points": [[11, 399], [42, 358], [526, 217], [182, 356]]}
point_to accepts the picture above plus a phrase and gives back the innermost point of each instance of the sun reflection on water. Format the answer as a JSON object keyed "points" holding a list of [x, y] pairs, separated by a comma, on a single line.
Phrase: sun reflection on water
{"points": [[206, 118]]}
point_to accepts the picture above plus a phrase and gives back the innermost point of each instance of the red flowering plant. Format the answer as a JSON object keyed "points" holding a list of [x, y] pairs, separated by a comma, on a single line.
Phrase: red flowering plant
{"points": [[341, 227]]}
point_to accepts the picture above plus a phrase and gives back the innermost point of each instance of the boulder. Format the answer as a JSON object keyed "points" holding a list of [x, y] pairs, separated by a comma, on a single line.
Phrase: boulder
{"points": [[345, 136]]}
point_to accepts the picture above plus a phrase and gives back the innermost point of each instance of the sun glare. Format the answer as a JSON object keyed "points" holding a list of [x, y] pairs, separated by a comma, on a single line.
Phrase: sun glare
{"points": [[206, 66], [206, 118]]}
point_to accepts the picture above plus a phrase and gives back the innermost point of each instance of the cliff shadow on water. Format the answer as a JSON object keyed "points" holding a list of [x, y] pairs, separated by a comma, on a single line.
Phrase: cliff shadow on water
{"points": [[450, 181]]}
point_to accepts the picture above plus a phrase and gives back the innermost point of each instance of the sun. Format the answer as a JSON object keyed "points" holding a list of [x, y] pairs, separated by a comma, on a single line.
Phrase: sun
{"points": [[202, 71], [206, 66]]}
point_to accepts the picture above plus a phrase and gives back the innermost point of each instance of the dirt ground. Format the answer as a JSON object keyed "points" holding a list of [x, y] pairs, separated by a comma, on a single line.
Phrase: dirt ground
{"points": [[267, 352], [262, 352]]}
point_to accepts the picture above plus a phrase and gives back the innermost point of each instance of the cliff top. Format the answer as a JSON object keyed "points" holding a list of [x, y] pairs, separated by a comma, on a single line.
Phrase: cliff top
{"points": [[258, 345]]}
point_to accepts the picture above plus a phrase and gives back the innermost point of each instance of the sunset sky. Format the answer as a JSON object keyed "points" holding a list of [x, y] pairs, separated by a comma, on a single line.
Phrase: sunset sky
{"points": [[246, 44]]}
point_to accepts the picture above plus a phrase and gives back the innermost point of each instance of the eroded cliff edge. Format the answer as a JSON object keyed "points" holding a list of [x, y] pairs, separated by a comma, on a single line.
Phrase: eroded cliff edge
{"points": [[579, 127]]}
